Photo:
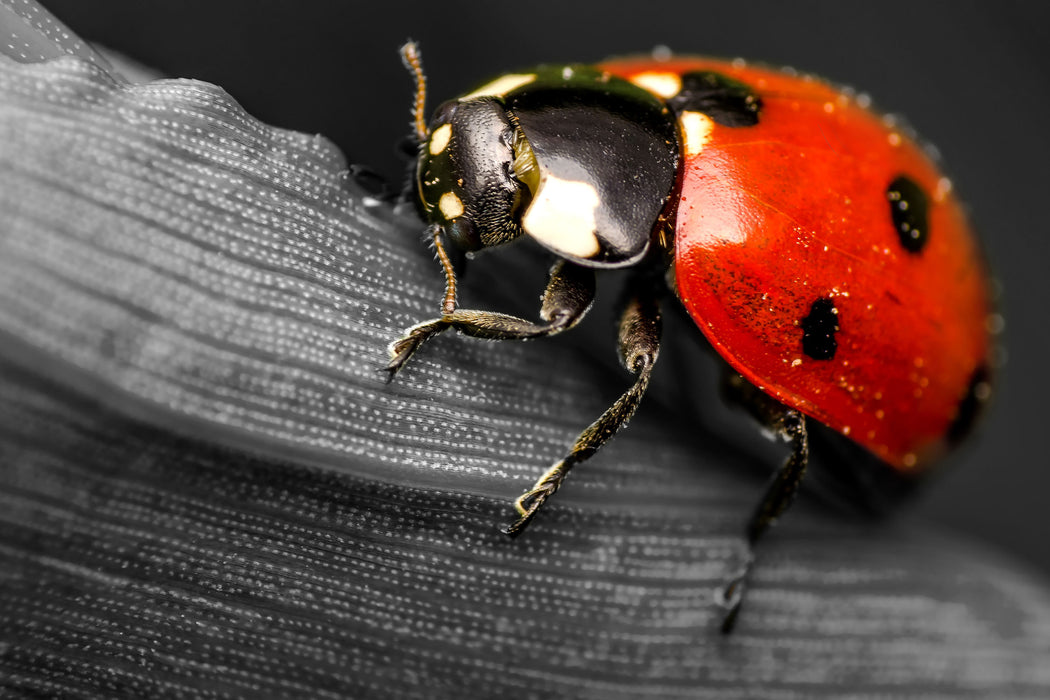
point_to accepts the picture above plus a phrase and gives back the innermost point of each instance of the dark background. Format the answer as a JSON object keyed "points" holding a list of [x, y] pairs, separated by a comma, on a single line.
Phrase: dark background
{"points": [[971, 78]]}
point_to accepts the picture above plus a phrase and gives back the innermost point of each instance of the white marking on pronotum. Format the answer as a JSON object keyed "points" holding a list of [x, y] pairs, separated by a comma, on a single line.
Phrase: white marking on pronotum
{"points": [[696, 131], [562, 217], [501, 85], [666, 85], [439, 139], [450, 205]]}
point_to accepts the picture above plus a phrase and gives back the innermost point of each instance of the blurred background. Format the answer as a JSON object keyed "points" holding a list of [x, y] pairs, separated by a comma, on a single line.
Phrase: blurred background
{"points": [[972, 78]]}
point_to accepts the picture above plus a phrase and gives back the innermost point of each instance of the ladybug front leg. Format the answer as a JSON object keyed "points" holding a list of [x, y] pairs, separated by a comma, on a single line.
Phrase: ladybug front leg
{"points": [[569, 294], [639, 343], [790, 425]]}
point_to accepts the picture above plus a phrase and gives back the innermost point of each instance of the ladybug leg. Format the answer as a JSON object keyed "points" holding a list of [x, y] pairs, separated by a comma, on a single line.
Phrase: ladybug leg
{"points": [[569, 293], [790, 425], [639, 343]]}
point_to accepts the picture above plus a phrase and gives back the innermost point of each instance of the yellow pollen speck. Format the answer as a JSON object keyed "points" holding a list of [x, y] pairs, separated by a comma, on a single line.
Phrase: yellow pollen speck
{"points": [[880, 414], [847, 430], [439, 139], [666, 85], [450, 205], [909, 459], [696, 131], [829, 107], [894, 138], [796, 362]]}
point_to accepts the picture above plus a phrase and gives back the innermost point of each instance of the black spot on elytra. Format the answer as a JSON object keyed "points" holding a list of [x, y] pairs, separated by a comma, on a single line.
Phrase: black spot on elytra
{"points": [[726, 101], [908, 207], [970, 406], [819, 328]]}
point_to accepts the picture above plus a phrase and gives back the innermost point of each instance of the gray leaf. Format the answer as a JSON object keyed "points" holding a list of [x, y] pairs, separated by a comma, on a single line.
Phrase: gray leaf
{"points": [[209, 489]]}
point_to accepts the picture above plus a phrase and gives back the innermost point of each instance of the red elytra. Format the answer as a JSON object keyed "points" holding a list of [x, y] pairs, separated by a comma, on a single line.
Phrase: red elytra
{"points": [[793, 209]]}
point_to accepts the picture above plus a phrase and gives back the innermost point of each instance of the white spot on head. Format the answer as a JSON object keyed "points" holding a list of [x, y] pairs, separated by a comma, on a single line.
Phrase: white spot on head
{"points": [[439, 139], [450, 205], [567, 72], [665, 85], [501, 85], [696, 131], [561, 216]]}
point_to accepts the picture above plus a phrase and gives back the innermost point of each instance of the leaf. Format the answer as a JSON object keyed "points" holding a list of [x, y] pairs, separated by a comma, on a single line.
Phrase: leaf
{"points": [[210, 490]]}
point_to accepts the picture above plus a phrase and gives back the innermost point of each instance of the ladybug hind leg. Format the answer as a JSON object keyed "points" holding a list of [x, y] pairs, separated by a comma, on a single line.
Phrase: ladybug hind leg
{"points": [[790, 425], [639, 345]]}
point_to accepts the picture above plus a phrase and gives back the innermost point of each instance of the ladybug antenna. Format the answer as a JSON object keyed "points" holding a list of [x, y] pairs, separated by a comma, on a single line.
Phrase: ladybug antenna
{"points": [[414, 63]]}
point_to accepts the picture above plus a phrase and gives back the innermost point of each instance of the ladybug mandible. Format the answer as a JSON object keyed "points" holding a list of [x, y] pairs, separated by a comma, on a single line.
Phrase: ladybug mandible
{"points": [[813, 243]]}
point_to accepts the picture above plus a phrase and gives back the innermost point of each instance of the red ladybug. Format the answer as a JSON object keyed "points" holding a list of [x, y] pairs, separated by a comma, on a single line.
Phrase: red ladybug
{"points": [[815, 245]]}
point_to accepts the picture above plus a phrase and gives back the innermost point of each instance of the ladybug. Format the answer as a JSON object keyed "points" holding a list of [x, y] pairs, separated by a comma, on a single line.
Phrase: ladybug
{"points": [[813, 242]]}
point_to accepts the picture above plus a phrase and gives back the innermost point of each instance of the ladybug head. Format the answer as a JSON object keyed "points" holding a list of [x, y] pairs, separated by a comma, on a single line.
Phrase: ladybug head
{"points": [[474, 173]]}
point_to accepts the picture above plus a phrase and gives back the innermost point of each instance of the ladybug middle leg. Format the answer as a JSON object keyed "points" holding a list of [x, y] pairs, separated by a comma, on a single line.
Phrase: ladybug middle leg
{"points": [[639, 345], [790, 425]]}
